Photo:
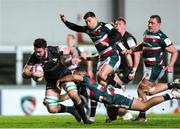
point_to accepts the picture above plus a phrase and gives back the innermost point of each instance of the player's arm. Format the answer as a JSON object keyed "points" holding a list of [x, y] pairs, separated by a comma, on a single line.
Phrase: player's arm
{"points": [[174, 54], [71, 25], [68, 78], [138, 48], [131, 42], [71, 51], [136, 61], [27, 71], [113, 34], [64, 97]]}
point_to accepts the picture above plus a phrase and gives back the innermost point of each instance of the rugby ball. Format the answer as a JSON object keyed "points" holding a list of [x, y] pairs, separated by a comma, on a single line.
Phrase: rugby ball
{"points": [[38, 68]]}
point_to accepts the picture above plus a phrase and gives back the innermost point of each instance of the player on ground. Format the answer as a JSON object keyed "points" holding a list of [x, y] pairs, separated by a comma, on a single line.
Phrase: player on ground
{"points": [[115, 96]]}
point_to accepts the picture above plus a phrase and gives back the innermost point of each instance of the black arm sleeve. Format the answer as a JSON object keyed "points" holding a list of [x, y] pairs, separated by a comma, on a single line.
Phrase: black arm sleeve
{"points": [[114, 36], [75, 27]]}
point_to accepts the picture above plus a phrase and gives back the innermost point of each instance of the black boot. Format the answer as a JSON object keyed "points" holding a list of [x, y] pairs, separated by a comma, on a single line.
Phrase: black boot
{"points": [[82, 113], [93, 110], [72, 111], [141, 117]]}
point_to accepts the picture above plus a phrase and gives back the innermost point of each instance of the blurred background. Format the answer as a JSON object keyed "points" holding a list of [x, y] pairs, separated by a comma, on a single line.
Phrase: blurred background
{"points": [[22, 21]]}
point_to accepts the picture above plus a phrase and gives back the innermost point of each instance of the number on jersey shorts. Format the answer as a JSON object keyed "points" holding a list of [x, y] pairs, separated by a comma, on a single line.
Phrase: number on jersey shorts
{"points": [[153, 74]]}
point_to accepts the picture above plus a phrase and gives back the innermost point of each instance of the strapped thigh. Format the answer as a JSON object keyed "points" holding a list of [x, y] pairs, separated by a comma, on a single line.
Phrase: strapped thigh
{"points": [[51, 100], [70, 86]]}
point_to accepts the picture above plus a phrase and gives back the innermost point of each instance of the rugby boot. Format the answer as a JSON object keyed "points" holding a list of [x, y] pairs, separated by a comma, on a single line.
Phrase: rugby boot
{"points": [[75, 113], [140, 119], [174, 84], [175, 94]]}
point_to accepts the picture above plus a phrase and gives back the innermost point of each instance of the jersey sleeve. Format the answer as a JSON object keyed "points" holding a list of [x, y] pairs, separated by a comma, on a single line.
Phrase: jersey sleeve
{"points": [[131, 41], [166, 42], [75, 27], [60, 50], [113, 34], [32, 60]]}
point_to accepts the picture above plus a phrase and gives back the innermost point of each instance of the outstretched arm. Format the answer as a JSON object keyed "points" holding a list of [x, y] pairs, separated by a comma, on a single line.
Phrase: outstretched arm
{"points": [[70, 25], [68, 78]]}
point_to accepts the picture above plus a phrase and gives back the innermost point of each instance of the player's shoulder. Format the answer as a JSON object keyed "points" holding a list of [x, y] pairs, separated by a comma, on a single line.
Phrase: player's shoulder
{"points": [[55, 50], [161, 34], [108, 25], [128, 34]]}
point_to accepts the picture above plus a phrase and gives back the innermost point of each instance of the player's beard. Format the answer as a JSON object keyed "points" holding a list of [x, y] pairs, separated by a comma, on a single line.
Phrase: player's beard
{"points": [[42, 57]]}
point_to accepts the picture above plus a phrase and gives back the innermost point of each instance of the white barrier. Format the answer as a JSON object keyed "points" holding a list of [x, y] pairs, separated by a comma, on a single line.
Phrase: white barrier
{"points": [[29, 101]]}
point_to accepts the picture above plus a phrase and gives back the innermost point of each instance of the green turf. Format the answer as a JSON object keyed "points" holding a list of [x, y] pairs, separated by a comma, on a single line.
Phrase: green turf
{"points": [[60, 121]]}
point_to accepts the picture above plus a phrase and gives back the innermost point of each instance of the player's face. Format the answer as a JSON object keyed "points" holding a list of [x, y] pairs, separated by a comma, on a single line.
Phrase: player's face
{"points": [[70, 41], [153, 25], [40, 52], [120, 25], [91, 22]]}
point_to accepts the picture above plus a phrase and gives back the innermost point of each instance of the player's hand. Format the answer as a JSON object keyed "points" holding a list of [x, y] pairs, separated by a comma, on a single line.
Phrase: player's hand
{"points": [[105, 43], [169, 69], [75, 60], [128, 52], [62, 17], [37, 74], [131, 75]]}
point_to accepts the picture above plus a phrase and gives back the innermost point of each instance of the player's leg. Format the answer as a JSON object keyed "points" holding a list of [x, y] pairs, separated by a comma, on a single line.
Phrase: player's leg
{"points": [[147, 86], [71, 89], [103, 73], [93, 106], [138, 105], [121, 78], [107, 67], [51, 101]]}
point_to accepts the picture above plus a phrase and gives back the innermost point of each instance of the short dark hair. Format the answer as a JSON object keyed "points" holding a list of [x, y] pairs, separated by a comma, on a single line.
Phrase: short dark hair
{"points": [[121, 19], [89, 14], [40, 43], [158, 18]]}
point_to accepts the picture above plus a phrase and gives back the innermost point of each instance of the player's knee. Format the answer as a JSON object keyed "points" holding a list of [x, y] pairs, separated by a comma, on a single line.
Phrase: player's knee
{"points": [[53, 109], [101, 76]]}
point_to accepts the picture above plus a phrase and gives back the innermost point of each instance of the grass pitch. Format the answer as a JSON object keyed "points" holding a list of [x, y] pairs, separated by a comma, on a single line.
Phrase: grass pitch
{"points": [[68, 121]]}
